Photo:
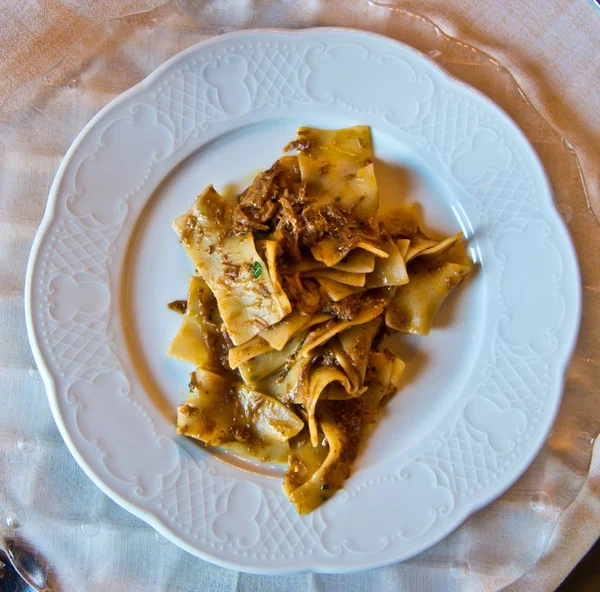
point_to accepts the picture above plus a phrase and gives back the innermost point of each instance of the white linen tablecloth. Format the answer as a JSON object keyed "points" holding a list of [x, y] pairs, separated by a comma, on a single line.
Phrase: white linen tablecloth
{"points": [[60, 62]]}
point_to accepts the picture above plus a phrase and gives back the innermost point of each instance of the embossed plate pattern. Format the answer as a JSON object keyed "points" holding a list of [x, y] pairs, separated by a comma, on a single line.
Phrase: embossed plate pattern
{"points": [[104, 262]]}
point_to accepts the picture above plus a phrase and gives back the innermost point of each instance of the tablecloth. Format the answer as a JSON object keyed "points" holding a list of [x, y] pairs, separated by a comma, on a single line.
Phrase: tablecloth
{"points": [[60, 62]]}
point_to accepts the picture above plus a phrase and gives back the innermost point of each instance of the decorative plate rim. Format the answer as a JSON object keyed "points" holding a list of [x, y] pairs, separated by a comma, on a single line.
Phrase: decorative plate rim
{"points": [[160, 523]]}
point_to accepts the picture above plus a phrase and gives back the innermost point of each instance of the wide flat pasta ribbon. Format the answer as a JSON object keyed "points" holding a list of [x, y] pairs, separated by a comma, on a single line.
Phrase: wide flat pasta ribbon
{"points": [[341, 423], [373, 305], [415, 304], [248, 300], [198, 340], [219, 411], [337, 166], [254, 370], [320, 378]]}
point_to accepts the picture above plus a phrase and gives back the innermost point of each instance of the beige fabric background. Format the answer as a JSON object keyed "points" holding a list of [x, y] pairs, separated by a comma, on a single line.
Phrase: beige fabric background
{"points": [[553, 49]]}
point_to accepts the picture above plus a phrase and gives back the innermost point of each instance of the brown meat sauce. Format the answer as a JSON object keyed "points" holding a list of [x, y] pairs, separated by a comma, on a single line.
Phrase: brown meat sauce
{"points": [[189, 231], [350, 420], [313, 225], [305, 295], [259, 204], [179, 306], [278, 203]]}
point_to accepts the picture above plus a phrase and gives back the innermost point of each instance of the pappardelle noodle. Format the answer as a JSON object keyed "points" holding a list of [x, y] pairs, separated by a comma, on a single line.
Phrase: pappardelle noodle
{"points": [[298, 285]]}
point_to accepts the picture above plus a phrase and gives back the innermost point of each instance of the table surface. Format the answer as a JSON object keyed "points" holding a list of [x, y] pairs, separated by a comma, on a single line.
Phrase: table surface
{"points": [[586, 575], [61, 61]]}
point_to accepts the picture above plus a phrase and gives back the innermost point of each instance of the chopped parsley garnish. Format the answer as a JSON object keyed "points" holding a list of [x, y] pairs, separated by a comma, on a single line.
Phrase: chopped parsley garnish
{"points": [[256, 269], [324, 486]]}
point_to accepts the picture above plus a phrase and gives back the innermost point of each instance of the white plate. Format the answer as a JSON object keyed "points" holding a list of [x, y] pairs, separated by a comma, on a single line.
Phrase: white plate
{"points": [[481, 391]]}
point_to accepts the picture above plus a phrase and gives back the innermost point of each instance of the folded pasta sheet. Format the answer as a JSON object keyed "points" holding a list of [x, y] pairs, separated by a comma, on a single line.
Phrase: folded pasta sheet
{"points": [[199, 340], [405, 226], [337, 291], [247, 298], [337, 166], [356, 343], [278, 335], [415, 305], [298, 285], [385, 372], [220, 412], [265, 364], [315, 473], [390, 271], [358, 261], [367, 307]]}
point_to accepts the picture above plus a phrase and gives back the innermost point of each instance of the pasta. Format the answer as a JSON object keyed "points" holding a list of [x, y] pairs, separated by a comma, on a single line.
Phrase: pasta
{"points": [[296, 288], [247, 297]]}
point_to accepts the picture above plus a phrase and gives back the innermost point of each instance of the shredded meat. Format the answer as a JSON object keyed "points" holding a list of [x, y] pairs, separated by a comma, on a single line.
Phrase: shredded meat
{"points": [[243, 224], [231, 271], [346, 308], [333, 221], [226, 337], [241, 434], [190, 230], [259, 204], [287, 230], [277, 202], [316, 223], [305, 295], [302, 145], [179, 306], [217, 344], [302, 226]]}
